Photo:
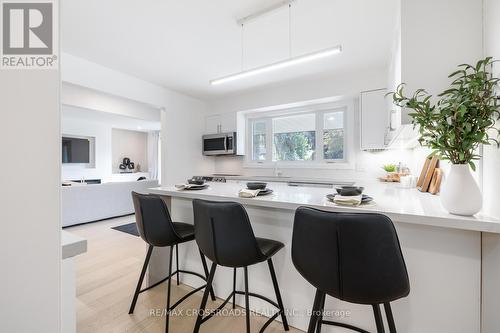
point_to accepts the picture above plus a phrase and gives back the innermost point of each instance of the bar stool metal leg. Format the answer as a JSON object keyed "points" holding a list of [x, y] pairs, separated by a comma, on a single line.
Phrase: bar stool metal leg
{"points": [[247, 300], [204, 299], [390, 318], [378, 318], [141, 278], [234, 288], [314, 315], [320, 313], [205, 269], [278, 294], [167, 316], [177, 262]]}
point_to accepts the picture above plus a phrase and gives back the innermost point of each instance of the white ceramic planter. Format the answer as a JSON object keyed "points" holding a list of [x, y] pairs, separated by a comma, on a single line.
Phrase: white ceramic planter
{"points": [[460, 193]]}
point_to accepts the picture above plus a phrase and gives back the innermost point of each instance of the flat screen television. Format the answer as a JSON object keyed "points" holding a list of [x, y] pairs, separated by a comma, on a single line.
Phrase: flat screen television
{"points": [[75, 150]]}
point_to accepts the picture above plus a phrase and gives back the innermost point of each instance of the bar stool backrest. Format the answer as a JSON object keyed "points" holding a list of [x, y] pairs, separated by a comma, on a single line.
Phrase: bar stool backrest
{"points": [[355, 257], [153, 220], [224, 233]]}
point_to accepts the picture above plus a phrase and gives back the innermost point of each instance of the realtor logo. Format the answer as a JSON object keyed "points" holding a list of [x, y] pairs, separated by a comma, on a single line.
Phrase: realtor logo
{"points": [[28, 33]]}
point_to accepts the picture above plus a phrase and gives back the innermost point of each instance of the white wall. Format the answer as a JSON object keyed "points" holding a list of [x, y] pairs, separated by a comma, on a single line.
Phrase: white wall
{"points": [[30, 244], [183, 123], [131, 144], [95, 100], [87, 127], [79, 71], [491, 176], [394, 73], [437, 36]]}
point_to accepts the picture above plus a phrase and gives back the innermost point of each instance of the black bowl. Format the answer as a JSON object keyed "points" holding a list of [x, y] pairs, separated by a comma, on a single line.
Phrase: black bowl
{"points": [[256, 185], [196, 181], [349, 190]]}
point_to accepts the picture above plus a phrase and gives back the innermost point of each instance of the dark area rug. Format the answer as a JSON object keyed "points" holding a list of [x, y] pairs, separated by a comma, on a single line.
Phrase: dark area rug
{"points": [[130, 228]]}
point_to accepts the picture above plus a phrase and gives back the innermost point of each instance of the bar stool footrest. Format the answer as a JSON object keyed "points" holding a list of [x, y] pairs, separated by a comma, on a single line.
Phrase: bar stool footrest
{"points": [[350, 327], [264, 298], [238, 292], [213, 312], [186, 296], [169, 276]]}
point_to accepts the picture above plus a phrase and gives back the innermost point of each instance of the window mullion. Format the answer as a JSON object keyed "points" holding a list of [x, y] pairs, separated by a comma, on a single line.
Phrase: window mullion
{"points": [[269, 140], [344, 131], [319, 137]]}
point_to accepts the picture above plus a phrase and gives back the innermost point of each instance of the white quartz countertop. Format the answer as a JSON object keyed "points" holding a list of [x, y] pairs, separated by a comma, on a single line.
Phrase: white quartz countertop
{"points": [[72, 245], [400, 204]]}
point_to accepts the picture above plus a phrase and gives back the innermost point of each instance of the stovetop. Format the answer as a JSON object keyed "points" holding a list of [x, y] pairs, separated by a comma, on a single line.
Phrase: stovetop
{"points": [[215, 178]]}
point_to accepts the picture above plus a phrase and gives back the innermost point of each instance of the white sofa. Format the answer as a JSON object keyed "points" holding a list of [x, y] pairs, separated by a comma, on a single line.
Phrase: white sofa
{"points": [[87, 203]]}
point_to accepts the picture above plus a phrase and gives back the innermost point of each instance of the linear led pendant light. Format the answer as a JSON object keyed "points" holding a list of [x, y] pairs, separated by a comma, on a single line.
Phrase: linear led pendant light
{"points": [[291, 61]]}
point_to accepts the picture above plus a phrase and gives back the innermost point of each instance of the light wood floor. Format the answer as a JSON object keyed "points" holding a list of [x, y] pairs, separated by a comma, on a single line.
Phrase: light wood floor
{"points": [[107, 275]]}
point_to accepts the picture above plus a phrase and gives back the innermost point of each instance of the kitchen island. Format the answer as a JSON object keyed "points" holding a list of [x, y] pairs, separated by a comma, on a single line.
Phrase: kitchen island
{"points": [[452, 260]]}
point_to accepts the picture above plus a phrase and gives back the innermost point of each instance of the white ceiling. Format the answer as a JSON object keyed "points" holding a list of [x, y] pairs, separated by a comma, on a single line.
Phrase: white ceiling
{"points": [[182, 44]]}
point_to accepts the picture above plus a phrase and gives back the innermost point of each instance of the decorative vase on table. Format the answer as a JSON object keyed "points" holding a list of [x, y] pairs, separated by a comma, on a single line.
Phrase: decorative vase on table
{"points": [[460, 193]]}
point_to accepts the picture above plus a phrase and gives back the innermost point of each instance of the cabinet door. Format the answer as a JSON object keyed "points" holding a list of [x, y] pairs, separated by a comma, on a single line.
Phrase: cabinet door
{"points": [[212, 124], [228, 122], [220, 123], [373, 119]]}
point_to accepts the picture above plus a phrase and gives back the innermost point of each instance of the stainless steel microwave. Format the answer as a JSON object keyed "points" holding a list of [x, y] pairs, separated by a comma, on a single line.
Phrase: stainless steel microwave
{"points": [[219, 144]]}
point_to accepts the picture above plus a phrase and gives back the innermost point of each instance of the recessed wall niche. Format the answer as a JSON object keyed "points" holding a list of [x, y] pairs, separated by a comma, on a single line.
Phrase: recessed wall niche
{"points": [[129, 144]]}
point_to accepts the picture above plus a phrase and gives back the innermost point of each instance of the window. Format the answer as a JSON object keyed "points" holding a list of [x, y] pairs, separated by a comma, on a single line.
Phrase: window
{"points": [[299, 137], [294, 138], [333, 136], [259, 140]]}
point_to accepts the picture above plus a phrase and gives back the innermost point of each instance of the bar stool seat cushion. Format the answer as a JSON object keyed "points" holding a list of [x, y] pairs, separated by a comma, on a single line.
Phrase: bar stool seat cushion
{"points": [[184, 230], [269, 247]]}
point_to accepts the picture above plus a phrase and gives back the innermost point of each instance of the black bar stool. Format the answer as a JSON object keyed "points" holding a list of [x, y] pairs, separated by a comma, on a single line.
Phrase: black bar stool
{"points": [[157, 229], [224, 234], [354, 257]]}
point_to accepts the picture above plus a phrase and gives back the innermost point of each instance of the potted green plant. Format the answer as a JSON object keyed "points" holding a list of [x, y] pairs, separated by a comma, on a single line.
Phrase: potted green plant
{"points": [[391, 173], [389, 168], [454, 126]]}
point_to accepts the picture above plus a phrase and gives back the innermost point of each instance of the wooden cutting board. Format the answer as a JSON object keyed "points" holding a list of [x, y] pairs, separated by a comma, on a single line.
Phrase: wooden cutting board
{"points": [[421, 178], [435, 184], [427, 172]]}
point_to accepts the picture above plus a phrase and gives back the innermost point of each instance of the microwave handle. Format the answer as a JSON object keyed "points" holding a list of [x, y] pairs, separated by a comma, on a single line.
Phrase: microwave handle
{"points": [[225, 143]]}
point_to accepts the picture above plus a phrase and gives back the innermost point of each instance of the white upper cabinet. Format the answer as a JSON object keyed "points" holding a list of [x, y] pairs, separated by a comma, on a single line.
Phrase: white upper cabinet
{"points": [[212, 124], [228, 122], [220, 123], [374, 119]]}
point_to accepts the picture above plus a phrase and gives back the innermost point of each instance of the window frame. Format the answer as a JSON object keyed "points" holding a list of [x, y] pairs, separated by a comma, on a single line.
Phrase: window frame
{"points": [[319, 161]]}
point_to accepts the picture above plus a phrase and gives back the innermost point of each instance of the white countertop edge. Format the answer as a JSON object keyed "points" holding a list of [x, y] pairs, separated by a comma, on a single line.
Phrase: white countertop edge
{"points": [[72, 245], [478, 223]]}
